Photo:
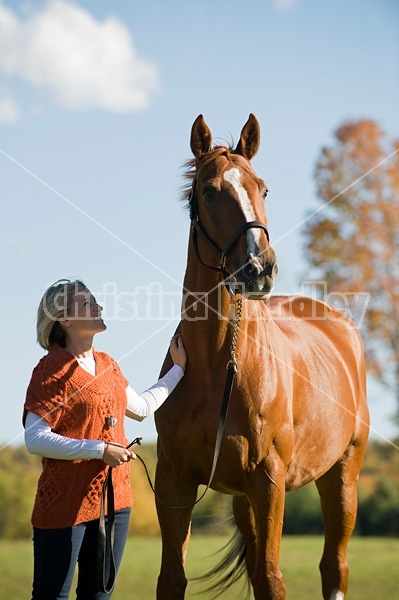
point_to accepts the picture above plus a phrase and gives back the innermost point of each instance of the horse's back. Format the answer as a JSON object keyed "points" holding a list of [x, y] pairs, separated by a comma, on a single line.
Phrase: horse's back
{"points": [[309, 319]]}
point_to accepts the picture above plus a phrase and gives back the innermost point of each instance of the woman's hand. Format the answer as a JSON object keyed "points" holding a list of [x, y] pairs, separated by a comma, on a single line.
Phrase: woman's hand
{"points": [[115, 454], [177, 351]]}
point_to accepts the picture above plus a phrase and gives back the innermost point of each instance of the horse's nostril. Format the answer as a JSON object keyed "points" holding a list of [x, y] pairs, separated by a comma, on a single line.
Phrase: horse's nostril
{"points": [[253, 267], [270, 269], [248, 272]]}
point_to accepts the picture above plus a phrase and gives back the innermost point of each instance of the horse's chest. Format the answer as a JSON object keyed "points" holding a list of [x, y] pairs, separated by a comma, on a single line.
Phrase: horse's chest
{"points": [[246, 422]]}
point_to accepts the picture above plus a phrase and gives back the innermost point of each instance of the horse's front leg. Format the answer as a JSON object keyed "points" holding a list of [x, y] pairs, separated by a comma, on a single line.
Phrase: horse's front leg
{"points": [[175, 527], [267, 495]]}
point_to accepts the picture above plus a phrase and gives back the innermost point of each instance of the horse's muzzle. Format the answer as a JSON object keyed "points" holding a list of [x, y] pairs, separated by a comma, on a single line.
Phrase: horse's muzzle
{"points": [[256, 278]]}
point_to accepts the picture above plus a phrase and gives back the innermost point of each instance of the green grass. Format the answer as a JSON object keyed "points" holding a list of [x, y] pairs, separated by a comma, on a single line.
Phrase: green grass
{"points": [[373, 563]]}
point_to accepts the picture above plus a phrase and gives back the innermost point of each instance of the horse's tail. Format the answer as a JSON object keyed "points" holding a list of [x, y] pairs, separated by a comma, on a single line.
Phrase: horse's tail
{"points": [[230, 569]]}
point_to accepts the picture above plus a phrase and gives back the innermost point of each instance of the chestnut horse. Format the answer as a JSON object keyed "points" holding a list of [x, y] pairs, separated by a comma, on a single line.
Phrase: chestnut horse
{"points": [[297, 410]]}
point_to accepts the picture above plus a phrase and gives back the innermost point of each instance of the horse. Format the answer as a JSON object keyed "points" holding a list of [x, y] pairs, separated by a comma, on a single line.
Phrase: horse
{"points": [[297, 410]]}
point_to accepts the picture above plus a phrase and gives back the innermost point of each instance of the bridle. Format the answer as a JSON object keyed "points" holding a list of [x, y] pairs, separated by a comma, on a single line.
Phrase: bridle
{"points": [[222, 253]]}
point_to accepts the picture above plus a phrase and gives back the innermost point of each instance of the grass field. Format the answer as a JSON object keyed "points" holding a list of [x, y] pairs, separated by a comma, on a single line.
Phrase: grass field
{"points": [[373, 562]]}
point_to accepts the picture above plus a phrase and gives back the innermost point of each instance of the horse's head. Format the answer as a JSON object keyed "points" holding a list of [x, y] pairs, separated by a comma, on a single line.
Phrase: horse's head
{"points": [[227, 211]]}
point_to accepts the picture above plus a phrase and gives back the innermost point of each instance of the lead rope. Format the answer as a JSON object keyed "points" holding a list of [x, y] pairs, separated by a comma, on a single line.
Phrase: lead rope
{"points": [[106, 526], [233, 360], [231, 367], [106, 534]]}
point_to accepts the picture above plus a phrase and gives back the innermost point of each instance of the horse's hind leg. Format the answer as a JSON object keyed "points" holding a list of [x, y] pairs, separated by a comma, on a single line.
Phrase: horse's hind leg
{"points": [[245, 520], [338, 494]]}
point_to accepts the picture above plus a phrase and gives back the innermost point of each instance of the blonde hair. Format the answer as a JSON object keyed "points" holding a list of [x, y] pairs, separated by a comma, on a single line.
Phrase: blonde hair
{"points": [[55, 305]]}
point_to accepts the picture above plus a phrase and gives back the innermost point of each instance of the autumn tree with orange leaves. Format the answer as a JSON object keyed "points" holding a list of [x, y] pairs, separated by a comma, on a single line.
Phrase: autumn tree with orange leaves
{"points": [[352, 241]]}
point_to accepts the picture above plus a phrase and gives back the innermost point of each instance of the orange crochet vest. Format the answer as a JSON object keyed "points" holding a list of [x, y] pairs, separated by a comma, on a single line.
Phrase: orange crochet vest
{"points": [[76, 404]]}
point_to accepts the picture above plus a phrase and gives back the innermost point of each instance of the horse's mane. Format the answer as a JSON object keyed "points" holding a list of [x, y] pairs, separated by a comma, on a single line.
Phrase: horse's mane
{"points": [[192, 165]]}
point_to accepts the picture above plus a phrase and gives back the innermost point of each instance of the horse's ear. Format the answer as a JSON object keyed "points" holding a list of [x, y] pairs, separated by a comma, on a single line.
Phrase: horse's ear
{"points": [[201, 137], [249, 139]]}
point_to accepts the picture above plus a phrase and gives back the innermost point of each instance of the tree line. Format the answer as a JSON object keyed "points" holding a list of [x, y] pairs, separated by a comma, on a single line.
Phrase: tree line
{"points": [[378, 513]]}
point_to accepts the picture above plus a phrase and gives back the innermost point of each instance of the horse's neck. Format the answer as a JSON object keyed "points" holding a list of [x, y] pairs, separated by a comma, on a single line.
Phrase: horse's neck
{"points": [[207, 311]]}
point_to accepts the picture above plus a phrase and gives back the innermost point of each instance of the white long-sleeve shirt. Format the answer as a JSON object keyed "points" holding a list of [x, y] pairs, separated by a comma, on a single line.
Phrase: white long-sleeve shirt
{"points": [[39, 439]]}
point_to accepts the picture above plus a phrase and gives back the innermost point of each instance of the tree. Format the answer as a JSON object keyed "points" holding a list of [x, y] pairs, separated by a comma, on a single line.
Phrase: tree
{"points": [[378, 512], [352, 241]]}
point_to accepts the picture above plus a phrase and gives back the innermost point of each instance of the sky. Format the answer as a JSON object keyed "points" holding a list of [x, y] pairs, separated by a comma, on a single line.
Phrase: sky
{"points": [[97, 100]]}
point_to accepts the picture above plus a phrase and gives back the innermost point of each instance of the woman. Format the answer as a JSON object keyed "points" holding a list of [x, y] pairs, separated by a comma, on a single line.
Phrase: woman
{"points": [[74, 418]]}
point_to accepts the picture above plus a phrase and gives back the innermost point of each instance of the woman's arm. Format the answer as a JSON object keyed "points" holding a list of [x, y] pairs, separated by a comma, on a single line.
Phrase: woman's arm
{"points": [[140, 406], [39, 439]]}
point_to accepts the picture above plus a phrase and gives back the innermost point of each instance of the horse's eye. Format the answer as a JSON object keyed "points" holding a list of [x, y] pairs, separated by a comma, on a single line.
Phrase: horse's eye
{"points": [[265, 193], [208, 192]]}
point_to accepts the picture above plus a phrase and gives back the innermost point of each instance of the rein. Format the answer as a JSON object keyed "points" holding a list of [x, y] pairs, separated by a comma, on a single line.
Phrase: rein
{"points": [[231, 367], [106, 534], [106, 528]]}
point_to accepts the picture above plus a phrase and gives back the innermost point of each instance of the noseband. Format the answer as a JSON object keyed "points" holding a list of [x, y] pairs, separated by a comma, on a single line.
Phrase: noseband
{"points": [[221, 252]]}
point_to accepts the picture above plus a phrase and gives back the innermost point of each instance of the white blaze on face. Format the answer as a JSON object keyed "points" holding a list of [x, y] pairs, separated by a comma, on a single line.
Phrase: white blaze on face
{"points": [[233, 177]]}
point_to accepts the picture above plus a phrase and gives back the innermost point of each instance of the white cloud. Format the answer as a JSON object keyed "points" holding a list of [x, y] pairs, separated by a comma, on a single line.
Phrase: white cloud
{"points": [[9, 111], [83, 62]]}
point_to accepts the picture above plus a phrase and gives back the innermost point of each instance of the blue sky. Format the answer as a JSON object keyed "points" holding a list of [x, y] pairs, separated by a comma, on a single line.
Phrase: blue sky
{"points": [[97, 100]]}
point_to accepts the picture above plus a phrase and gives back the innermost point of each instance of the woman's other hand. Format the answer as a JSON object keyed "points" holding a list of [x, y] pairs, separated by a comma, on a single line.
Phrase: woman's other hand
{"points": [[116, 455]]}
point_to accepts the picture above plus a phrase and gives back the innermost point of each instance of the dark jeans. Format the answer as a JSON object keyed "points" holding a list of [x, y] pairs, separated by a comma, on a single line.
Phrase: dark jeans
{"points": [[57, 551]]}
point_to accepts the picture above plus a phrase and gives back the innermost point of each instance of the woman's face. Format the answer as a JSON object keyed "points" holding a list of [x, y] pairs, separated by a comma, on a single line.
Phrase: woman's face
{"points": [[84, 313]]}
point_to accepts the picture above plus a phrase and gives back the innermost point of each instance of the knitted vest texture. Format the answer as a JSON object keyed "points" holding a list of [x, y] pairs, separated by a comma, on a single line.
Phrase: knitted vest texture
{"points": [[76, 404]]}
